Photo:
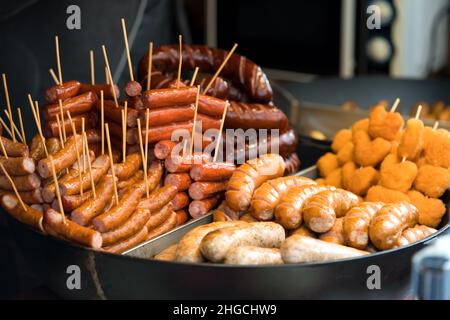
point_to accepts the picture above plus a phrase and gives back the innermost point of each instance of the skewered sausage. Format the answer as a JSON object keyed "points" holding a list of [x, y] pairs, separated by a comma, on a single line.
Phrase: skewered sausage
{"points": [[97, 88], [212, 171], [28, 216], [158, 217], [75, 105], [158, 198], [18, 166], [63, 91], [128, 168], [135, 223], [14, 149], [23, 183]]}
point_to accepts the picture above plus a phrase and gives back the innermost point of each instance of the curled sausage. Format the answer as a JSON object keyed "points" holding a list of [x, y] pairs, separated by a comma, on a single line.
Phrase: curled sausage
{"points": [[411, 235], [250, 176], [321, 210], [74, 201], [267, 196], [216, 244], [138, 176], [166, 226], [335, 234], [69, 230], [159, 216], [28, 216]]}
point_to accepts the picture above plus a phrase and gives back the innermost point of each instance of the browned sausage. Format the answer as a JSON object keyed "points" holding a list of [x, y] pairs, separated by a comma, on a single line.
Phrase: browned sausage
{"points": [[135, 223], [128, 168], [224, 213], [203, 190], [75, 105], [212, 171], [168, 97], [23, 183], [133, 88], [63, 91], [159, 133], [14, 149], [138, 176], [168, 115], [158, 198], [182, 216], [198, 208], [180, 201], [128, 243], [164, 148], [256, 116], [63, 158], [52, 128], [96, 88], [48, 191], [29, 197], [30, 216], [114, 113], [181, 181], [166, 226], [184, 164], [211, 106], [158, 217], [91, 208], [54, 223], [18, 166], [37, 151], [72, 202]]}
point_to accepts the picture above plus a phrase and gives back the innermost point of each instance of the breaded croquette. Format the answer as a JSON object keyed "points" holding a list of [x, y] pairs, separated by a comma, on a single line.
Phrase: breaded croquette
{"points": [[384, 124], [398, 176], [334, 178], [437, 149], [430, 210], [432, 181], [367, 152], [358, 180], [381, 194], [327, 163], [411, 143], [362, 125], [345, 154], [340, 139]]}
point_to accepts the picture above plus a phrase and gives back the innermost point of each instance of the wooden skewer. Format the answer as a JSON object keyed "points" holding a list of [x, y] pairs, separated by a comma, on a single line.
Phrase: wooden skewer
{"points": [[58, 193], [38, 124], [191, 147], [219, 136], [8, 104], [436, 125], [74, 132], [89, 166], [149, 69], [5, 126], [403, 159], [3, 149], [127, 48], [102, 120], [85, 148], [220, 68], [55, 78], [58, 60], [108, 71], [419, 110], [91, 57], [14, 187], [15, 127], [61, 139], [395, 105], [61, 111], [180, 60], [147, 120], [108, 140], [22, 129], [194, 76], [106, 76], [124, 132], [38, 113], [144, 162]]}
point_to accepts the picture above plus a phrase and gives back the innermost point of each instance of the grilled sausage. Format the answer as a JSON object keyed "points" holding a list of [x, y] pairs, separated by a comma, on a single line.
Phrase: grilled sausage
{"points": [[128, 243], [18, 166], [203, 190], [158, 198], [168, 254], [75, 105], [166, 226], [212, 171], [181, 181], [23, 183], [96, 88], [14, 149], [198, 208], [128, 168], [180, 201], [411, 235], [63, 91], [135, 223], [28, 216]]}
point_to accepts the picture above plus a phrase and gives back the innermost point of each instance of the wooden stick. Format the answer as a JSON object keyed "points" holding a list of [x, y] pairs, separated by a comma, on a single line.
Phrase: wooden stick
{"points": [[61, 139], [419, 110], [147, 120], [38, 124], [144, 162], [85, 150], [403, 159], [395, 105], [194, 76], [58, 60], [180, 60], [220, 68], [61, 111], [74, 133], [89, 166], [3, 148], [102, 120], [8, 104], [127, 48], [38, 113], [58, 193], [14, 187], [106, 76], [195, 121], [55, 78], [108, 140], [108, 70], [124, 132], [149, 69], [22, 129], [219, 136], [91, 56], [436, 125], [5, 126], [16, 130]]}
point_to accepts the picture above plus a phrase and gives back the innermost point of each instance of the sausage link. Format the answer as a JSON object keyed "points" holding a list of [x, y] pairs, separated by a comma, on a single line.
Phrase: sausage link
{"points": [[159, 133], [132, 88], [168, 115], [114, 114], [96, 88], [75, 105], [63, 91], [356, 224], [129, 243], [202, 190], [164, 148], [182, 217], [247, 217], [158, 198], [321, 210], [216, 244], [180, 201], [389, 222], [251, 255], [28, 216], [166, 226], [135, 223], [168, 97], [23, 183], [267, 196], [128, 168], [18, 166], [212, 171], [14, 149], [49, 190], [175, 164], [158, 217], [198, 208], [74, 201], [138, 176], [249, 176], [411, 235], [181, 181], [303, 231], [52, 127], [335, 234]]}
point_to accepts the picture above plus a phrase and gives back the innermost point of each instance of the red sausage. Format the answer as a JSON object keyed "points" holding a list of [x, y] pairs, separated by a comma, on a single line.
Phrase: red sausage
{"points": [[168, 115], [158, 98], [96, 88], [128, 243], [114, 113], [135, 223], [159, 133], [164, 148], [75, 105], [184, 164], [198, 208], [203, 190], [181, 181], [133, 88], [90, 119], [182, 217], [65, 91], [180, 201], [212, 171]]}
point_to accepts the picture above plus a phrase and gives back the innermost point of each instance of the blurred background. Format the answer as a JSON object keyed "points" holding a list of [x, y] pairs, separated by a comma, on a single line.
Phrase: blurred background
{"points": [[329, 61]]}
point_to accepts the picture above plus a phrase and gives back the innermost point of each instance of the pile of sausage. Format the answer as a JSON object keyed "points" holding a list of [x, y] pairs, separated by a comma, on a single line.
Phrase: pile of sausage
{"points": [[379, 160]]}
